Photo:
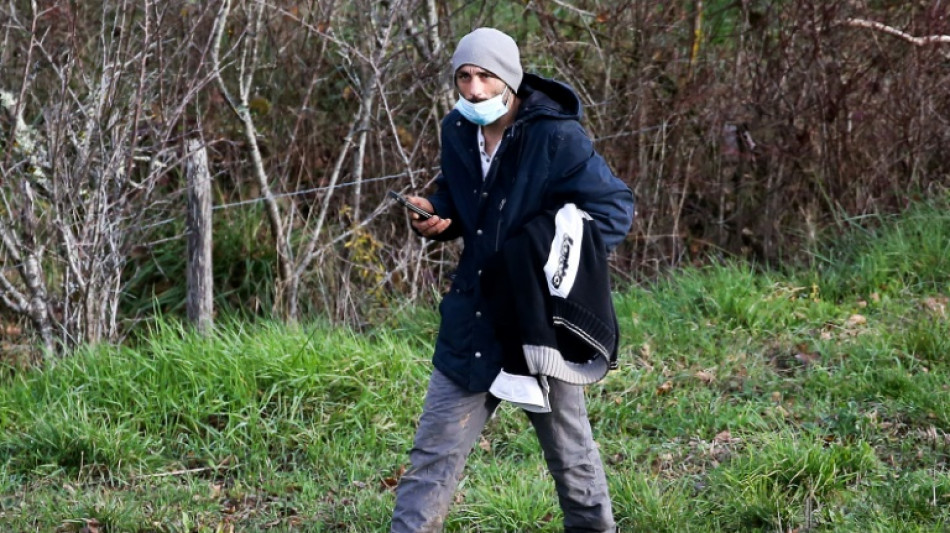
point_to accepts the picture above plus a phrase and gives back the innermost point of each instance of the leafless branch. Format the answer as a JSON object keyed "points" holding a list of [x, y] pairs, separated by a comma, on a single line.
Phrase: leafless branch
{"points": [[890, 30], [241, 108]]}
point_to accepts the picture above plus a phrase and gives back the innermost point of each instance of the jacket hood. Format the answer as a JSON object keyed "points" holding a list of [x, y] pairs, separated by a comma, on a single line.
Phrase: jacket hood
{"points": [[543, 97]]}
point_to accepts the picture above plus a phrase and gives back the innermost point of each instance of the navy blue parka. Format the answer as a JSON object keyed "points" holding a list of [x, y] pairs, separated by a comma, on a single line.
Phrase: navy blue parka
{"points": [[544, 160]]}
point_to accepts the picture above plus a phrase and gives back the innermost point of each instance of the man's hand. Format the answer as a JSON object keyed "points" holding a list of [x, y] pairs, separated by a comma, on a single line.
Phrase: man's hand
{"points": [[431, 227]]}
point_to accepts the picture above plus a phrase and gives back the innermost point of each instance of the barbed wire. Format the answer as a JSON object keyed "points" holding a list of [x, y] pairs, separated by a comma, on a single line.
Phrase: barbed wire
{"points": [[297, 193], [14, 267], [629, 133], [338, 185], [257, 200], [324, 188]]}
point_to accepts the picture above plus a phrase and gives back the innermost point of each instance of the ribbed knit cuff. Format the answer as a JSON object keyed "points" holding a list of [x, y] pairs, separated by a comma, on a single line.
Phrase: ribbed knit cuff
{"points": [[548, 361]]}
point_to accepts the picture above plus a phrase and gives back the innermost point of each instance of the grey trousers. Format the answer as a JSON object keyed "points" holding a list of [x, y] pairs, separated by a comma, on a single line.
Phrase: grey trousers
{"points": [[452, 420]]}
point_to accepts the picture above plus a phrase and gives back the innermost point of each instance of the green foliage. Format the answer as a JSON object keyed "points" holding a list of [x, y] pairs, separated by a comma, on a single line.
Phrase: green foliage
{"points": [[888, 255], [770, 488], [243, 269], [927, 340]]}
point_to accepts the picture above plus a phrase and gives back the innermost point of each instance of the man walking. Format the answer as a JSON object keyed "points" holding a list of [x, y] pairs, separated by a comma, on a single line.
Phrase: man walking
{"points": [[512, 149]]}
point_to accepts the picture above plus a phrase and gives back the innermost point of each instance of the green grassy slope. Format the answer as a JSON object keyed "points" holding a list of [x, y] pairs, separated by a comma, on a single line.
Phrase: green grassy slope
{"points": [[816, 400]]}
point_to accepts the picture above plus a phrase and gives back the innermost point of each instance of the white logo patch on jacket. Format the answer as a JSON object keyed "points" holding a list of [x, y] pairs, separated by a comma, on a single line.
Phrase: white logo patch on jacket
{"points": [[560, 270]]}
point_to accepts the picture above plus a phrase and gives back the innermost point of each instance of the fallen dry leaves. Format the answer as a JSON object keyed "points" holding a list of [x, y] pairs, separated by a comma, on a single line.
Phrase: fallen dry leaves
{"points": [[807, 358], [391, 482], [92, 526], [856, 320], [936, 305]]}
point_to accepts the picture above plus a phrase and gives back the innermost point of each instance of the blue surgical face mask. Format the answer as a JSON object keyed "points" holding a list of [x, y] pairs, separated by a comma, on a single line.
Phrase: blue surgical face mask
{"points": [[485, 112]]}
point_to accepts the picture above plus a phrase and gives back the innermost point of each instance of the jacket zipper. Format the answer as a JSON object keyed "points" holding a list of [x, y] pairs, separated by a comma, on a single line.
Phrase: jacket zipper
{"points": [[501, 207], [509, 134]]}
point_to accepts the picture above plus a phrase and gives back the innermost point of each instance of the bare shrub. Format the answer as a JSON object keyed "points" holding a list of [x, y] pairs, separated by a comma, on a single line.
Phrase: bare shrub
{"points": [[104, 100]]}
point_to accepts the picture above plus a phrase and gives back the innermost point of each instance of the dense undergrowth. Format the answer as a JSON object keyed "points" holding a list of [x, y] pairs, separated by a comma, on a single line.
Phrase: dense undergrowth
{"points": [[815, 399], [744, 128]]}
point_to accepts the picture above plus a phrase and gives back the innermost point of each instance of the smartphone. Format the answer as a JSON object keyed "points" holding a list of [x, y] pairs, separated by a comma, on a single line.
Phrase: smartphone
{"points": [[409, 205]]}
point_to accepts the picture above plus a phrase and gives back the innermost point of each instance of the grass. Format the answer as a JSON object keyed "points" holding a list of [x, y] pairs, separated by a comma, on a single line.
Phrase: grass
{"points": [[814, 400]]}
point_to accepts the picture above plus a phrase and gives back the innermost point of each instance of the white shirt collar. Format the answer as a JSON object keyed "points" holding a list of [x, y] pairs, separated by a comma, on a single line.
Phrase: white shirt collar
{"points": [[483, 156]]}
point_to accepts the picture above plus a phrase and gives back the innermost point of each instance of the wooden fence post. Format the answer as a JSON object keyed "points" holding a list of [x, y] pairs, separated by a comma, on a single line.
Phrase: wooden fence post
{"points": [[200, 286]]}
